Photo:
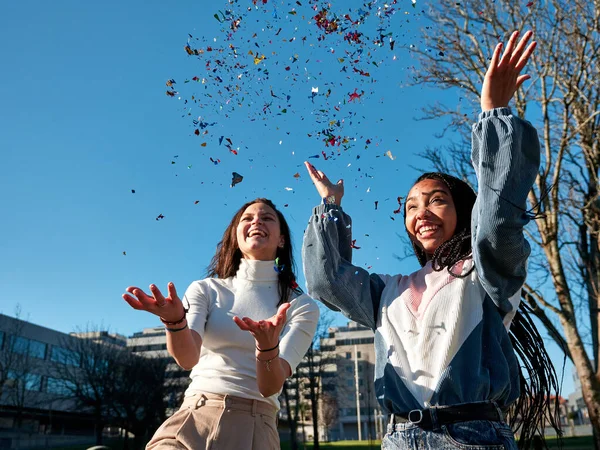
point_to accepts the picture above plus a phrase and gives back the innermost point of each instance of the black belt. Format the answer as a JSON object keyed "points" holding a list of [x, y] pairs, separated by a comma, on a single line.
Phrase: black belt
{"points": [[445, 415]]}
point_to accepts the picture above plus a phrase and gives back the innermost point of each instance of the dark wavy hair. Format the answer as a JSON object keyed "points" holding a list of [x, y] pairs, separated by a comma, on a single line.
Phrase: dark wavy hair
{"points": [[226, 260], [537, 403]]}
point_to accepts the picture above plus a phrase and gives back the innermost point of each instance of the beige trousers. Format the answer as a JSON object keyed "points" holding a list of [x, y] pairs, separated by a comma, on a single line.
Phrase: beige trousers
{"points": [[219, 422]]}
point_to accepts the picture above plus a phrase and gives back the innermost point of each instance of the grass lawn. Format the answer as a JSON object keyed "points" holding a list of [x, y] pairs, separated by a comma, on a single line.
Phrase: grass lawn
{"points": [[574, 443]]}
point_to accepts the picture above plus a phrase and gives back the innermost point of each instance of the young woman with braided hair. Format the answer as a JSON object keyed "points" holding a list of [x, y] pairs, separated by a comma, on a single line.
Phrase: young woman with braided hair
{"points": [[247, 327], [446, 372]]}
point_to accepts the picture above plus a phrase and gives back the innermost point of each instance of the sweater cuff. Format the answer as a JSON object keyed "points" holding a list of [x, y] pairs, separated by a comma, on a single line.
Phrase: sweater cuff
{"points": [[323, 208], [496, 112]]}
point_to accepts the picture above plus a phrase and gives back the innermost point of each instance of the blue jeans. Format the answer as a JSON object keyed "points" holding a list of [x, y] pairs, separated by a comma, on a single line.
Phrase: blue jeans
{"points": [[474, 435]]}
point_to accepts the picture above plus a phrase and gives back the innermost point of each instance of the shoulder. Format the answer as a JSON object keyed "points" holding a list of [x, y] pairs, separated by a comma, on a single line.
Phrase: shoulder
{"points": [[208, 287], [304, 303]]}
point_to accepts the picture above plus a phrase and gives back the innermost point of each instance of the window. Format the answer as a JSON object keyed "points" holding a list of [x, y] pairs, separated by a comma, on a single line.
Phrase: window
{"points": [[349, 369], [348, 355], [1, 339], [59, 387], [64, 356], [349, 383], [358, 354], [33, 382], [24, 346], [19, 345], [360, 382], [37, 349]]}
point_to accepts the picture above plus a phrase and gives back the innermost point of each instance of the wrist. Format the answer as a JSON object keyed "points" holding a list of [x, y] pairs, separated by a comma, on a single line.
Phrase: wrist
{"points": [[489, 106], [332, 200], [266, 347], [176, 321]]}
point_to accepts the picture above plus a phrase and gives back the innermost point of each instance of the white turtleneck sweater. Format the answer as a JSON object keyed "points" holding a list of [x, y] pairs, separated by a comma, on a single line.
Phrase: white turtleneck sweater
{"points": [[227, 363]]}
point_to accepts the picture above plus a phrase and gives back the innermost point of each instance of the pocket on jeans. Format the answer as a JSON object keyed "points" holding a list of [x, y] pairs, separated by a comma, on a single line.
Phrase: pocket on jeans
{"points": [[481, 435]]}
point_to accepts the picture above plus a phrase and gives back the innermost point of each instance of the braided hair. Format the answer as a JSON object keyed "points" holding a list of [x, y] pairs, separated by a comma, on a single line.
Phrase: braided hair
{"points": [[536, 405]]}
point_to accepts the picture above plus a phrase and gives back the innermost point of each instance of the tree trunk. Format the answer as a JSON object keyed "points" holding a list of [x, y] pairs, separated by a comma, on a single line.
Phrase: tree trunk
{"points": [[291, 421]]}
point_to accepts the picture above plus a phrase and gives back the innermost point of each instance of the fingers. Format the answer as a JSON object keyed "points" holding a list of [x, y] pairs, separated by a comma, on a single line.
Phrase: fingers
{"points": [[160, 301], [281, 314], [142, 298], [516, 55], [134, 303], [525, 56], [241, 324], [495, 58], [522, 79], [314, 175], [509, 48], [172, 291]]}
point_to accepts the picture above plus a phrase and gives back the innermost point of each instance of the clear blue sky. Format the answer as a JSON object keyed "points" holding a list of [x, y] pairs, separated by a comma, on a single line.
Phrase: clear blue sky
{"points": [[85, 119]]}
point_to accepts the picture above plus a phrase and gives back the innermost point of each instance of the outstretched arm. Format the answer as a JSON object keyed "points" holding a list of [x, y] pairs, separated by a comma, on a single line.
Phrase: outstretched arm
{"points": [[327, 259], [506, 158]]}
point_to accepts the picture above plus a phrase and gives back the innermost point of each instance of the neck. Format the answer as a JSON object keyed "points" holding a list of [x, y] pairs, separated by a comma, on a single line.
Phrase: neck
{"points": [[257, 270]]}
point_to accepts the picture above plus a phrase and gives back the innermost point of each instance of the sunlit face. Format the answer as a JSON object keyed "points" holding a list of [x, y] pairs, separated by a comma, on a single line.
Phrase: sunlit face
{"points": [[258, 232], [430, 215]]}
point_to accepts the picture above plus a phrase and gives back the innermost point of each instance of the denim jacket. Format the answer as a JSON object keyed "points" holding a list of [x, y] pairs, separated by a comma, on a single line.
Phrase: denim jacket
{"points": [[441, 340]]}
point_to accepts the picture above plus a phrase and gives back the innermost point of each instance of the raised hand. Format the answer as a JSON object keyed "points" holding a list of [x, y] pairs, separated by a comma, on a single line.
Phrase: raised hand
{"points": [[502, 78], [325, 188], [169, 309], [266, 332]]}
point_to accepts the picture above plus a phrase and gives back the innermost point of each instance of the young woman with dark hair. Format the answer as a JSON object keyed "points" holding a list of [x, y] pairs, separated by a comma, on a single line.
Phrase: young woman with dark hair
{"points": [[446, 372], [244, 331]]}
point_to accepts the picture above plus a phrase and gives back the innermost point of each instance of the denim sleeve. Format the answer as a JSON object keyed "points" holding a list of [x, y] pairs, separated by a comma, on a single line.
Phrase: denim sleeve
{"points": [[506, 157], [330, 275]]}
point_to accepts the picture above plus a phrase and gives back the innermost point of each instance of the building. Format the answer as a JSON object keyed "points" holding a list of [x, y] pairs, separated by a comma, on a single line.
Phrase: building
{"points": [[577, 409], [343, 370], [348, 374], [33, 411]]}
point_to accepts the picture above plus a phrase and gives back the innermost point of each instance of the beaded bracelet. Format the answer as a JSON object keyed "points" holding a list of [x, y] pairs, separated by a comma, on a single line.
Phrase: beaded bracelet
{"points": [[174, 323], [268, 362]]}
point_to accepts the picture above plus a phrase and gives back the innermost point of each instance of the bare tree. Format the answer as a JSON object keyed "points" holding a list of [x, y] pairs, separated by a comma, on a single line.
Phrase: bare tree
{"points": [[9, 359], [20, 368], [141, 395], [562, 100], [89, 375], [288, 392], [316, 360], [329, 412]]}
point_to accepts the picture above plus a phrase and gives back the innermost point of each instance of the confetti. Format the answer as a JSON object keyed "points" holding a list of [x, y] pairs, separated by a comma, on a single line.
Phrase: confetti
{"points": [[236, 178], [397, 211]]}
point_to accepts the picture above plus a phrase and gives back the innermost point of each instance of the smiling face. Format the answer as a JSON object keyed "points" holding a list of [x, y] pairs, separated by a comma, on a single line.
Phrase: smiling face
{"points": [[259, 232], [430, 215]]}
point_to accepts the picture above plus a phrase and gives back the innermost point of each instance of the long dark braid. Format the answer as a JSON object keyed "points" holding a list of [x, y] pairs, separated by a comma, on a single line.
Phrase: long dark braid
{"points": [[536, 404]]}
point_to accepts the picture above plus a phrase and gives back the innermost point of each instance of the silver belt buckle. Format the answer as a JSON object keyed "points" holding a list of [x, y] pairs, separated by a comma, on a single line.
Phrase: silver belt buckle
{"points": [[420, 416]]}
